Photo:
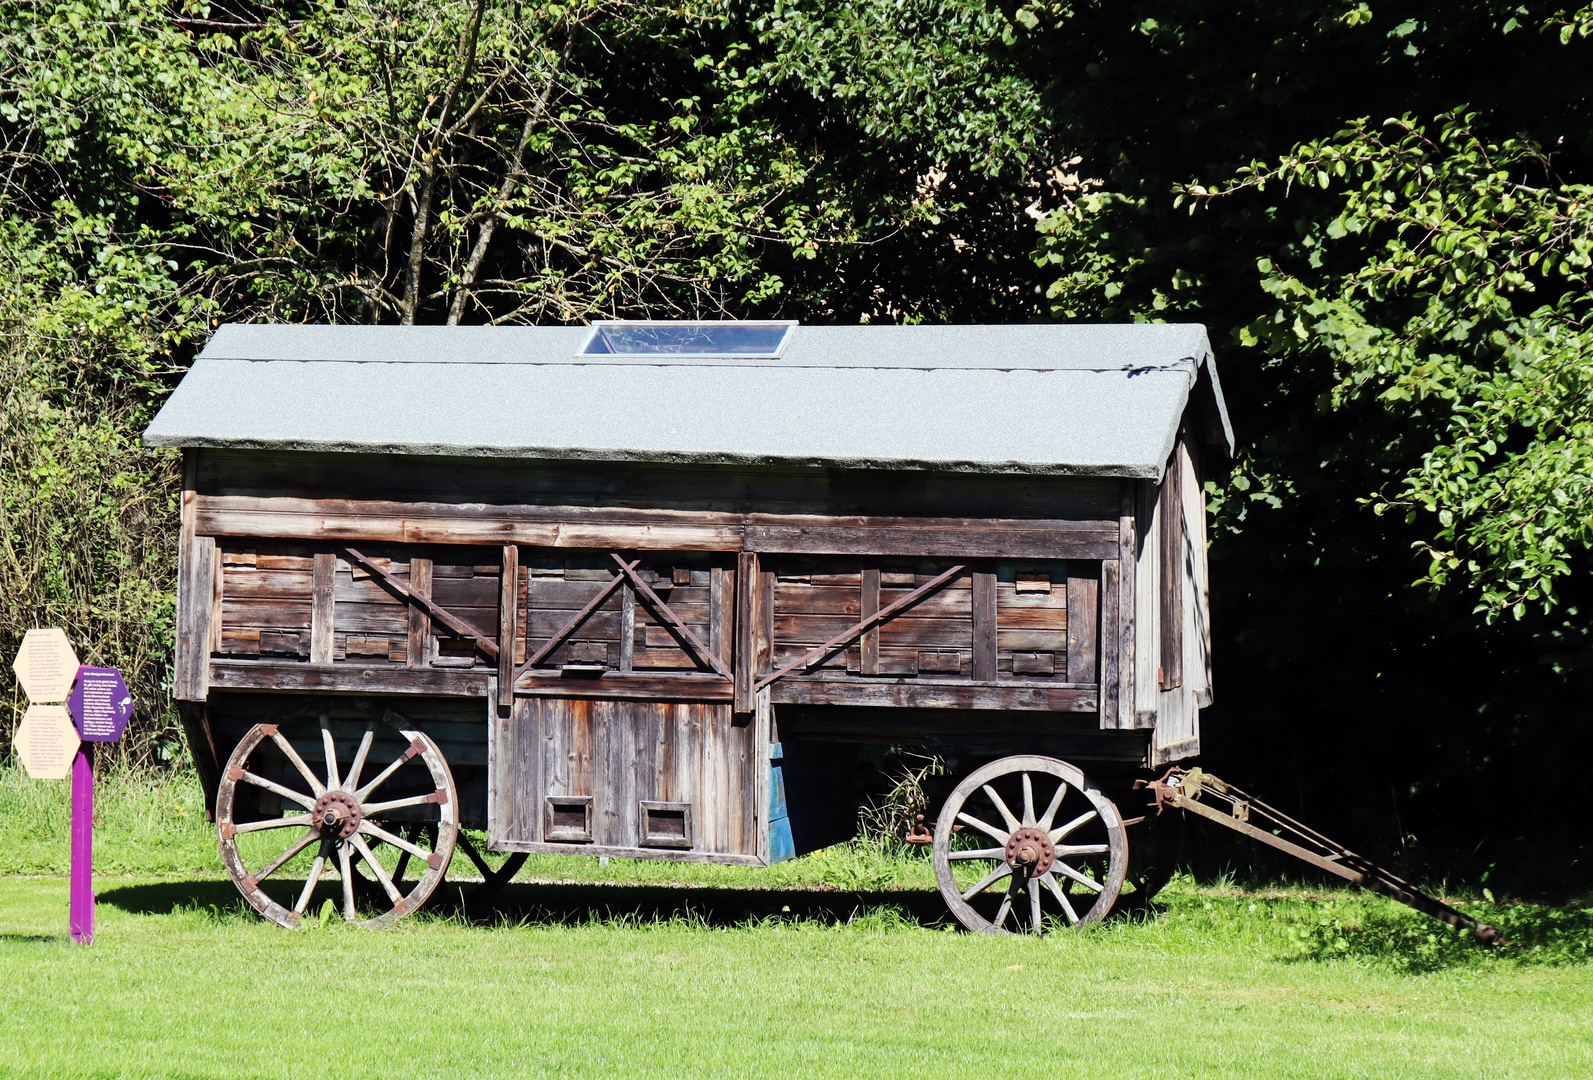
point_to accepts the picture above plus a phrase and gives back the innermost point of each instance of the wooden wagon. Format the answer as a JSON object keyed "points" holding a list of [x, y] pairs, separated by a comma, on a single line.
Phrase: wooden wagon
{"points": [[649, 590]]}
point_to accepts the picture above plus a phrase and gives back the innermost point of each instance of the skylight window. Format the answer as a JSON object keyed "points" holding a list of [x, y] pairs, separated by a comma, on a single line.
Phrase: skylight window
{"points": [[756, 340]]}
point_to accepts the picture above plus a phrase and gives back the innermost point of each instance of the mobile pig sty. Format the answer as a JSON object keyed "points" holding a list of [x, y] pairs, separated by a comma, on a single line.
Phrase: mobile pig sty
{"points": [[644, 589]]}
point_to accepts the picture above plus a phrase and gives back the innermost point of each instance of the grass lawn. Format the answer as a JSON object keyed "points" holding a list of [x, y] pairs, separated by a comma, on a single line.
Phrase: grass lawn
{"points": [[830, 966]]}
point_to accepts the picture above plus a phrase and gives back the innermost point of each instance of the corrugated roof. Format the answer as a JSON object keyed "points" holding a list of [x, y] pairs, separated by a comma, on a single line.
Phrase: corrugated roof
{"points": [[1045, 399]]}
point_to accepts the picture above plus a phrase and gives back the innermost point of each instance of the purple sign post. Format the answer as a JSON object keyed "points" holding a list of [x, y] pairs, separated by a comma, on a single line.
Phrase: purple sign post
{"points": [[100, 706]]}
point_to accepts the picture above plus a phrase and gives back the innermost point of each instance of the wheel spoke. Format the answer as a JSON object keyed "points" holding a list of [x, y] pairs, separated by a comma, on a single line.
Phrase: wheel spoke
{"points": [[332, 780], [988, 880], [989, 830], [314, 876], [272, 786], [1050, 811], [1072, 826], [298, 763], [397, 804], [274, 823], [981, 853], [354, 770], [1082, 849], [398, 842], [1001, 912], [364, 793], [1001, 808], [276, 864], [346, 869], [1028, 801], [1082, 878], [403, 856], [1061, 897], [376, 867], [1035, 918]]}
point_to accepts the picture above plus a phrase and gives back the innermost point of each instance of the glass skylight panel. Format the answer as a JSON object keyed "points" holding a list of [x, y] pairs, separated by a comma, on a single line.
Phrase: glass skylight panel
{"points": [[754, 340]]}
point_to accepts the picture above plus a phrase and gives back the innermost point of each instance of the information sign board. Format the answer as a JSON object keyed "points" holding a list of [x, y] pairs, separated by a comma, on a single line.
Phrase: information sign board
{"points": [[45, 665], [46, 742], [100, 704]]}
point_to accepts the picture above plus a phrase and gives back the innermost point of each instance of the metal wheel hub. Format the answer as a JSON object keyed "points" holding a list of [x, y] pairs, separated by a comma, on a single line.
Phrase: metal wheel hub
{"points": [[1030, 852], [337, 815]]}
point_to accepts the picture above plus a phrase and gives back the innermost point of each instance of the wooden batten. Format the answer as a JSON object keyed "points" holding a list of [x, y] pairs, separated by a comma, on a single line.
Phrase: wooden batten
{"points": [[508, 630], [196, 590], [1170, 519]]}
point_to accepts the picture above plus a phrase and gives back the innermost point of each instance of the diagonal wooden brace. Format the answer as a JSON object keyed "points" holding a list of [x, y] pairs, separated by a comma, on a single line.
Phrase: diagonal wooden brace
{"points": [[439, 614], [580, 617], [846, 637], [704, 654]]}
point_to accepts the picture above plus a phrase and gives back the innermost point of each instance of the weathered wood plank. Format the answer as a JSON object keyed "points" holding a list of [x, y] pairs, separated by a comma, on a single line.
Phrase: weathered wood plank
{"points": [[984, 626], [1111, 673], [459, 626], [1171, 513], [1077, 540], [868, 604], [1083, 600], [747, 619], [927, 695], [656, 854], [195, 587], [353, 678], [613, 685], [1127, 555], [323, 607], [508, 610], [420, 635]]}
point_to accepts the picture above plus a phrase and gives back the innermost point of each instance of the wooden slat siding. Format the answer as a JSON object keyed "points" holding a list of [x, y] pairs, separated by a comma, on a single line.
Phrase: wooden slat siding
{"points": [[745, 664], [984, 626], [508, 632], [1171, 515], [1147, 603], [1083, 600], [694, 488], [868, 604], [712, 812], [195, 563], [323, 607], [1124, 623], [351, 677], [919, 694]]}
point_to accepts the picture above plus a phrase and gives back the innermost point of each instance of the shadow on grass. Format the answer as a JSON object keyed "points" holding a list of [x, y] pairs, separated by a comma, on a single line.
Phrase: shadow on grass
{"points": [[566, 904], [1411, 942], [30, 939]]}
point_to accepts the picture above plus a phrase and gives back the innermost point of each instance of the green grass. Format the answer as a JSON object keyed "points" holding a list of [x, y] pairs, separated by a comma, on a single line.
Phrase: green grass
{"points": [[835, 965]]}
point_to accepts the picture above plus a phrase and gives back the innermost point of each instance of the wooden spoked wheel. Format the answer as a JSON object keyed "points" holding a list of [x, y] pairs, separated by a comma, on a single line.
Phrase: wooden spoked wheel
{"points": [[1028, 841], [336, 819]]}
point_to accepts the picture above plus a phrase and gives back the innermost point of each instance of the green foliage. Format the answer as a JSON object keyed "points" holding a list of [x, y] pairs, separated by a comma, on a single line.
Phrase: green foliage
{"points": [[1456, 269]]}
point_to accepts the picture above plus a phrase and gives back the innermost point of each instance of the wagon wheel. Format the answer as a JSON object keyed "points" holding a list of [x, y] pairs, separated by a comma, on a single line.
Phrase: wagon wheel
{"points": [[341, 818], [1157, 842], [1006, 867]]}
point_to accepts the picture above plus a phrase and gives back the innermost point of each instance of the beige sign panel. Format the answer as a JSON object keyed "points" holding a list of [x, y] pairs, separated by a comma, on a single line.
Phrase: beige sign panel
{"points": [[46, 665], [46, 742]]}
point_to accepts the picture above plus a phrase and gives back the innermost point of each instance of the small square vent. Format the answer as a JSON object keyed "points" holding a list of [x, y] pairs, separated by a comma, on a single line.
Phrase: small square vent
{"points": [[568, 819], [666, 824]]}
